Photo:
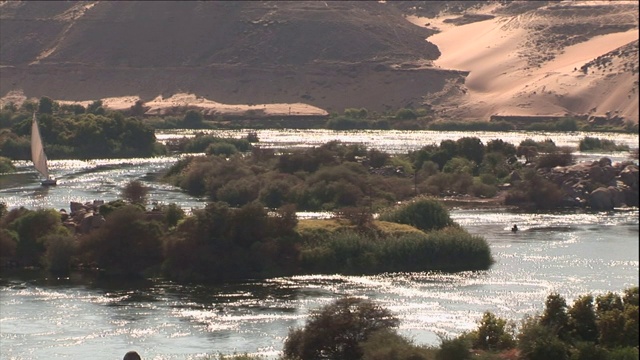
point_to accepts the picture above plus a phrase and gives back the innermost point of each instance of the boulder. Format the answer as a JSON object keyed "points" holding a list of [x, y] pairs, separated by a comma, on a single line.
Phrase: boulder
{"points": [[63, 215], [75, 207], [629, 176], [602, 174], [631, 196], [97, 221], [601, 199], [78, 215], [86, 223], [605, 161], [617, 196]]}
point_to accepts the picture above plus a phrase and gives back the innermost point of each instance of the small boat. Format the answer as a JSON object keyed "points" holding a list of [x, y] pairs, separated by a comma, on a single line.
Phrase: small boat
{"points": [[38, 156]]}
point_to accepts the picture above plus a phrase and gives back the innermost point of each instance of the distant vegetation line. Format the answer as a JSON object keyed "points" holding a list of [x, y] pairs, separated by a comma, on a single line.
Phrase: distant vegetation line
{"points": [[96, 132]]}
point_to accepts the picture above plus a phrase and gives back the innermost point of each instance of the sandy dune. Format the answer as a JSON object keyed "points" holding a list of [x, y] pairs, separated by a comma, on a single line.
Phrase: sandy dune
{"points": [[502, 81], [162, 106]]}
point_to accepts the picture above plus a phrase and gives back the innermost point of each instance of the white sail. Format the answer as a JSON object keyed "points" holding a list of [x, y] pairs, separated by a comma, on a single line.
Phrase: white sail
{"points": [[37, 151]]}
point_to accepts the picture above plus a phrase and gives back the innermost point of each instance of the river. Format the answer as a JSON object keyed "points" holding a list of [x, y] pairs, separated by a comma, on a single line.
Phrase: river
{"points": [[571, 253]]}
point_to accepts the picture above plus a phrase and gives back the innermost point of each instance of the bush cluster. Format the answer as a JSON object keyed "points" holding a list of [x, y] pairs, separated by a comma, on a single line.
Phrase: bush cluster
{"points": [[69, 132], [221, 243], [593, 143], [604, 329], [358, 329], [336, 175]]}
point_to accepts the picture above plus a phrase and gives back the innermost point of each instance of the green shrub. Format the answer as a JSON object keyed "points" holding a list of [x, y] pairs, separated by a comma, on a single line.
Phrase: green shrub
{"points": [[109, 207], [589, 351], [127, 244], [388, 345], [32, 228], [493, 334], [135, 192], [354, 252], [582, 319], [60, 250], [8, 245], [173, 213], [336, 331], [221, 148], [500, 146], [193, 120], [535, 190], [556, 158], [593, 143], [423, 213], [454, 349], [6, 166], [239, 192], [406, 114], [459, 165], [346, 123], [624, 353], [537, 342]]}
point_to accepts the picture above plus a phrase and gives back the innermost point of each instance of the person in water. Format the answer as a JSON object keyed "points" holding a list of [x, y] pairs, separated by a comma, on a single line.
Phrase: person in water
{"points": [[131, 355], [514, 228]]}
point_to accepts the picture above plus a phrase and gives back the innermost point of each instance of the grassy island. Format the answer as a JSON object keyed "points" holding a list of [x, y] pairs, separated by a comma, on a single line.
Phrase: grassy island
{"points": [[220, 243]]}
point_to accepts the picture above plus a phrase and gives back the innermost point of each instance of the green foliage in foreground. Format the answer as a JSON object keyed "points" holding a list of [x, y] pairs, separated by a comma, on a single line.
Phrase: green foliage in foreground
{"points": [[358, 329], [336, 330]]}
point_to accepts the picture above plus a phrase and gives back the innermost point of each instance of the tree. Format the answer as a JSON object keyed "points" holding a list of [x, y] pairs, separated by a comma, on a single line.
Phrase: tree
{"points": [[46, 105], [492, 334], [498, 145], [127, 243], [582, 319], [192, 119], [471, 148], [529, 153], [555, 315], [135, 192], [536, 342], [406, 114], [138, 109], [631, 296], [336, 330], [459, 165], [96, 108]]}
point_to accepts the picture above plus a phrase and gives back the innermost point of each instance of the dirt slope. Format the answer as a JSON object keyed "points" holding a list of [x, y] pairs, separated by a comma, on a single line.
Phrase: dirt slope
{"points": [[327, 54]]}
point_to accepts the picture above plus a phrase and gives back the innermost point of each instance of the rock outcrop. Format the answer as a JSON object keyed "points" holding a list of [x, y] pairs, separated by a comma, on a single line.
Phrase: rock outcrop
{"points": [[600, 185]]}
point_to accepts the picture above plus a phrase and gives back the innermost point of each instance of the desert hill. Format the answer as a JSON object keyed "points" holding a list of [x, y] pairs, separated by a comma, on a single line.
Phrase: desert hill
{"points": [[465, 59], [576, 57]]}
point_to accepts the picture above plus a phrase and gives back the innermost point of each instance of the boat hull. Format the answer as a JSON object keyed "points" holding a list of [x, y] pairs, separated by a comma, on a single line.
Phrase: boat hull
{"points": [[49, 182]]}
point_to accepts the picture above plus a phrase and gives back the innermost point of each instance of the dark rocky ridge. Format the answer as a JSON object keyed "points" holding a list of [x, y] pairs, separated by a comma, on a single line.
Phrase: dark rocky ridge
{"points": [[327, 54]]}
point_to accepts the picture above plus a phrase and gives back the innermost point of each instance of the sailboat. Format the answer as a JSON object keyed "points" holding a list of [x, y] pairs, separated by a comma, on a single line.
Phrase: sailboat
{"points": [[38, 156]]}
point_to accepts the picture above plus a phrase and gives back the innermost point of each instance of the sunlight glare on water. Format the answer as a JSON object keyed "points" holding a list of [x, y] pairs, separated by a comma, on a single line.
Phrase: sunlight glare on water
{"points": [[571, 252]]}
